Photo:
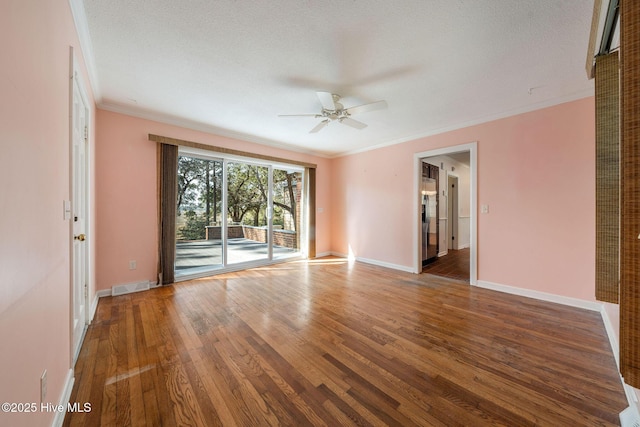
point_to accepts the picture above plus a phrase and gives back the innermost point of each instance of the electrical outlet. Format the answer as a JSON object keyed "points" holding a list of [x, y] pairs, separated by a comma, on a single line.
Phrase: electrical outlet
{"points": [[43, 386], [133, 265]]}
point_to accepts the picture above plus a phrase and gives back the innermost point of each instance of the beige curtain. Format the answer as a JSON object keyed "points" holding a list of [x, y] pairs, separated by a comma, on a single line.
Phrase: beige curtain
{"points": [[168, 199], [607, 83]]}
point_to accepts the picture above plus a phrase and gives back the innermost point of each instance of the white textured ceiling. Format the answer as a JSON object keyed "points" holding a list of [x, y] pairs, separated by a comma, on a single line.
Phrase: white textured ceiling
{"points": [[231, 66]]}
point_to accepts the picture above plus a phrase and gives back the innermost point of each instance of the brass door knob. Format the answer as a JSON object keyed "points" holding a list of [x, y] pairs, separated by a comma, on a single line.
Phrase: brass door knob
{"points": [[80, 237]]}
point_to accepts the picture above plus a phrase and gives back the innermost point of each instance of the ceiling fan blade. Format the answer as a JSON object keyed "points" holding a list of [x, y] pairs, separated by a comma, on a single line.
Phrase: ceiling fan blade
{"points": [[378, 105], [326, 99], [353, 123], [319, 126], [299, 115]]}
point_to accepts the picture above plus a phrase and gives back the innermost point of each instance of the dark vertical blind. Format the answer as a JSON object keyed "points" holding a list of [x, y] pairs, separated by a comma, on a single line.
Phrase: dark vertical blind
{"points": [[630, 175], [311, 194], [607, 86], [168, 172]]}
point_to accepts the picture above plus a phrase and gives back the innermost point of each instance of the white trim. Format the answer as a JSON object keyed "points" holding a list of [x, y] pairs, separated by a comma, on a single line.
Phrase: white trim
{"points": [[86, 45], [108, 293], [611, 334], [94, 304], [629, 417], [509, 113], [76, 81], [337, 254], [324, 254], [472, 148], [374, 262], [203, 127], [58, 419], [385, 264], [102, 293], [544, 296]]}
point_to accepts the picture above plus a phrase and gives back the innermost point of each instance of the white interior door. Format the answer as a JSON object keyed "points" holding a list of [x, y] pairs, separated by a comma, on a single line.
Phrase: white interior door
{"points": [[79, 215]]}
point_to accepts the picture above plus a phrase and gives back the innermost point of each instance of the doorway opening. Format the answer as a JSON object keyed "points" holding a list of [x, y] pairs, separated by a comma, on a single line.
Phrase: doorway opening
{"points": [[449, 207]]}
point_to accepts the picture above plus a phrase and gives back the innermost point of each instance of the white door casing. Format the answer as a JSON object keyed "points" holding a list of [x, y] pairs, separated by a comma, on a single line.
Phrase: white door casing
{"points": [[79, 213], [472, 148]]}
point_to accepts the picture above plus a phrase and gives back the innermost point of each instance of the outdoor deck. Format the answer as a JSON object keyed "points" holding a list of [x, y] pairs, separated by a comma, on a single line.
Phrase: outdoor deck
{"points": [[196, 256]]}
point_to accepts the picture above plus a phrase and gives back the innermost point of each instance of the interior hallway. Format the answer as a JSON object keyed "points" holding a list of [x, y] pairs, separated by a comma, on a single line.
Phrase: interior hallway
{"points": [[454, 265]]}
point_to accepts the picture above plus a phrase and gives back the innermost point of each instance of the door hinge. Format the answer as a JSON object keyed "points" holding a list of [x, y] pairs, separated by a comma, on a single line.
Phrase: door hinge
{"points": [[86, 133], [86, 291]]}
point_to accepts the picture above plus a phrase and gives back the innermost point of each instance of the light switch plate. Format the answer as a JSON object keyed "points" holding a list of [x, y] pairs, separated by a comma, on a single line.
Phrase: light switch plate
{"points": [[66, 209]]}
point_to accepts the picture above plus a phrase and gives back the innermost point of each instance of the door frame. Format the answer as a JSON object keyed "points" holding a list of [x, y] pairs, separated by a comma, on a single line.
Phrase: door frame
{"points": [[472, 148], [75, 78], [452, 212], [226, 158]]}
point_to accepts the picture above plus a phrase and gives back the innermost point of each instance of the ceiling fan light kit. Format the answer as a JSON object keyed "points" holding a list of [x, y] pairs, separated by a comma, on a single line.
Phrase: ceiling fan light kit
{"points": [[332, 110]]}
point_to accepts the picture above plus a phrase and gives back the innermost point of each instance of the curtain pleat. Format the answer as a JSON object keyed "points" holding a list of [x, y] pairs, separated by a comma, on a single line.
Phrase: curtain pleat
{"points": [[607, 85], [630, 210], [168, 172]]}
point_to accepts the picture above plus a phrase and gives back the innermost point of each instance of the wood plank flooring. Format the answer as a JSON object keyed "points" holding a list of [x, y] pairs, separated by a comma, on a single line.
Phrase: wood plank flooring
{"points": [[454, 265], [328, 343]]}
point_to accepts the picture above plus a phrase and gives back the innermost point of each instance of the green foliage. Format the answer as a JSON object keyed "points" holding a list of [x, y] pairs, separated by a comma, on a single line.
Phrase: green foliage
{"points": [[247, 193], [194, 228], [199, 197]]}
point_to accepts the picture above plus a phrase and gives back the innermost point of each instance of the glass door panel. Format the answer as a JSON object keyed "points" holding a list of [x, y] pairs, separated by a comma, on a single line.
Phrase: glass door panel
{"points": [[287, 212], [199, 215], [247, 212]]}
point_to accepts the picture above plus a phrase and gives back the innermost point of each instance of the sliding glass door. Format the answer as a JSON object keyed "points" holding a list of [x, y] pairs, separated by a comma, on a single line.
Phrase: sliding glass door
{"points": [[234, 213], [287, 212], [199, 215], [248, 212]]}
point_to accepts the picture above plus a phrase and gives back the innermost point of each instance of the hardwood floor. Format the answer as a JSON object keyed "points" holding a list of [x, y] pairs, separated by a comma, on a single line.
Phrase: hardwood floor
{"points": [[330, 343], [454, 265]]}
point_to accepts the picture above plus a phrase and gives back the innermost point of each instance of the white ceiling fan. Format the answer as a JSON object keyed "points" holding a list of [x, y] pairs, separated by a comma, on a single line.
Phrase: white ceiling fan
{"points": [[332, 109]]}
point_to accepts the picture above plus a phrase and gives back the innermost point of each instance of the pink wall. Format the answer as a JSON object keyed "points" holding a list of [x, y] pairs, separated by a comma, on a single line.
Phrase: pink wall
{"points": [[536, 173], [126, 181], [34, 180]]}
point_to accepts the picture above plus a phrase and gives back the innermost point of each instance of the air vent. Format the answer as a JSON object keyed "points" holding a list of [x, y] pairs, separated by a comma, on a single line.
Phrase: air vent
{"points": [[629, 418], [129, 288]]}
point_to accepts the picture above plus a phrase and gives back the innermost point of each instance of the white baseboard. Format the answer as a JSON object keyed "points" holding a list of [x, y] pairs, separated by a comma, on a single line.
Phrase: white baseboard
{"points": [[611, 334], [385, 264], [376, 262], [109, 292], [544, 296], [94, 307], [338, 254], [630, 417], [103, 293], [323, 254], [58, 419]]}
